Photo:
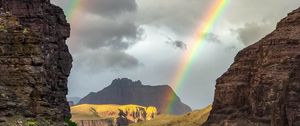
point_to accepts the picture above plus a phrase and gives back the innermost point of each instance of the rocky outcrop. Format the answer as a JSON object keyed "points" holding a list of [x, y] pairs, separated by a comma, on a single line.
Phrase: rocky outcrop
{"points": [[194, 118], [262, 86], [125, 91], [88, 114], [100, 122], [34, 63]]}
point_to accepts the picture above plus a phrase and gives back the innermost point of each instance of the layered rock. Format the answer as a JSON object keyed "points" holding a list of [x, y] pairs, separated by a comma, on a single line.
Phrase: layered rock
{"points": [[262, 86], [34, 63], [194, 118], [125, 91], [100, 122], [94, 115]]}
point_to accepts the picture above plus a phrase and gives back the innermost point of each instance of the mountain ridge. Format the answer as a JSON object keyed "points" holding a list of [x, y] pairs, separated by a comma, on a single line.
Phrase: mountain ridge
{"points": [[125, 91]]}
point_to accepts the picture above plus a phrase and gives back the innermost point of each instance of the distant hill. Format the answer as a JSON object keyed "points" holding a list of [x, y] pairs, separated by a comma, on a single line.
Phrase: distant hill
{"points": [[195, 118], [125, 91], [92, 115], [75, 100]]}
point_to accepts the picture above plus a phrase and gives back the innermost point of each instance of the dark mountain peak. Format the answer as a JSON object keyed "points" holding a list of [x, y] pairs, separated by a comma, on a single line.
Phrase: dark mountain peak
{"points": [[125, 82], [124, 91]]}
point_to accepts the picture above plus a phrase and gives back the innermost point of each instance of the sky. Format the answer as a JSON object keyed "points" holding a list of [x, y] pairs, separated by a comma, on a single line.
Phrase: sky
{"points": [[146, 39]]}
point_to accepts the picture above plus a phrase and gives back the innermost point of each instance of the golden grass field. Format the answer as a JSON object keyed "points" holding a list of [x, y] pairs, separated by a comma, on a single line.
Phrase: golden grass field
{"points": [[195, 118]]}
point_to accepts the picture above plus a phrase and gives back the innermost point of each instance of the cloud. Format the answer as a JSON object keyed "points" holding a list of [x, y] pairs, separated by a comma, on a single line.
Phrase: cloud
{"points": [[252, 32], [95, 61], [177, 44], [180, 44], [107, 8], [110, 8], [178, 16], [211, 37], [94, 27], [96, 32], [102, 31]]}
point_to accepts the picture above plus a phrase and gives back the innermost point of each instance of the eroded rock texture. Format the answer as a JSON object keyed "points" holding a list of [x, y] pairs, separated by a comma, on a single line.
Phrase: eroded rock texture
{"points": [[102, 122], [262, 87], [34, 63]]}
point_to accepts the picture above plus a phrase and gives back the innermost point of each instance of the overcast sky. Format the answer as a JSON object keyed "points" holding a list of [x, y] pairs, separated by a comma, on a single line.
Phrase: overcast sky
{"points": [[145, 40]]}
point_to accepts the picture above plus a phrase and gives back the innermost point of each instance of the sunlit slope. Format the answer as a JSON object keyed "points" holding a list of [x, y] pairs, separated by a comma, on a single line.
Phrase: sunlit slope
{"points": [[96, 112], [194, 118]]}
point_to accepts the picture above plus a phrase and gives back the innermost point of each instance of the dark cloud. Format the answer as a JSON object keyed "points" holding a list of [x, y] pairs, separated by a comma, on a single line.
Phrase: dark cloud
{"points": [[96, 61], [108, 8], [252, 32], [178, 44], [109, 33], [95, 29], [98, 40]]}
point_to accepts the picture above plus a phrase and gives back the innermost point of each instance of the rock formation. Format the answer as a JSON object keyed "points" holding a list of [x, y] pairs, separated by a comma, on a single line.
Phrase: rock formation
{"points": [[34, 63], [100, 122], [122, 120], [194, 118], [88, 114], [262, 86], [125, 91]]}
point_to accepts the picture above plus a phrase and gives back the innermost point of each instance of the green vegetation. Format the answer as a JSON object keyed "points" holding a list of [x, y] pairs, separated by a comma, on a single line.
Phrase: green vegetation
{"points": [[195, 118], [69, 122], [31, 123], [2, 28]]}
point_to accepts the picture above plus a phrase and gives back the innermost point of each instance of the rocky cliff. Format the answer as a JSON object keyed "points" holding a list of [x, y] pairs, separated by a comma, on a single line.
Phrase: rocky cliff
{"points": [[103, 122], [125, 91], [99, 115], [34, 63], [194, 118], [262, 86]]}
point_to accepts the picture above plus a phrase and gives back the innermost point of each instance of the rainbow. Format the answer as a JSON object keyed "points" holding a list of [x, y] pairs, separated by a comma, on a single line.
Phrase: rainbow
{"points": [[207, 24], [72, 6]]}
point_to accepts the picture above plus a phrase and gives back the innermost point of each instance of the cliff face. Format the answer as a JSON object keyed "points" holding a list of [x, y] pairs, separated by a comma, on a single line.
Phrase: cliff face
{"points": [[102, 122], [262, 86], [34, 63], [94, 115], [194, 118], [125, 91]]}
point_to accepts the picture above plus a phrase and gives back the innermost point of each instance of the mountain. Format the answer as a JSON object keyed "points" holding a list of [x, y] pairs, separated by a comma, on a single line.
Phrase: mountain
{"points": [[75, 100], [125, 91], [34, 63], [100, 115], [262, 86], [194, 118]]}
